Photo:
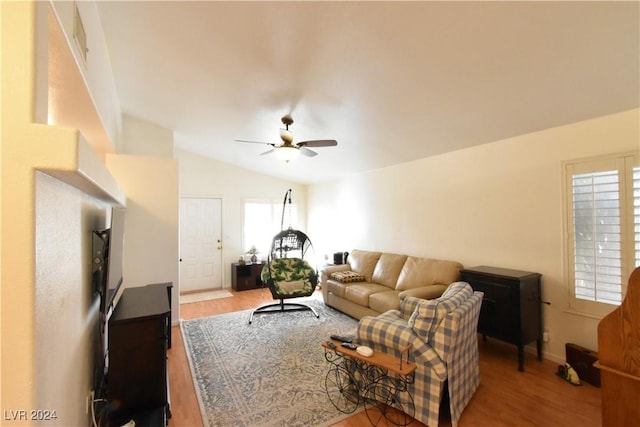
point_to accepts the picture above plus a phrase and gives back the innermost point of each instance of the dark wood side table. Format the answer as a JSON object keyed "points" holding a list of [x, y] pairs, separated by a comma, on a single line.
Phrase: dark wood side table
{"points": [[511, 306], [247, 276]]}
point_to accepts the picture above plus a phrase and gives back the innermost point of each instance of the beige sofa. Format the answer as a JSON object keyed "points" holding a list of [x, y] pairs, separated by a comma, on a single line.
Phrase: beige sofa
{"points": [[373, 282]]}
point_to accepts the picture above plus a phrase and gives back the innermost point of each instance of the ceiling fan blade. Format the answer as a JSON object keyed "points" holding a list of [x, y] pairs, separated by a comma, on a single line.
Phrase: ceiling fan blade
{"points": [[318, 143], [268, 151], [253, 142], [306, 152]]}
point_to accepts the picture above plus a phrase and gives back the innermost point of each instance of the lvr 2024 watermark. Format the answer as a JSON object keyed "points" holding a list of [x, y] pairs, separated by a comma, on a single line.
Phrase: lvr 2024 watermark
{"points": [[29, 415]]}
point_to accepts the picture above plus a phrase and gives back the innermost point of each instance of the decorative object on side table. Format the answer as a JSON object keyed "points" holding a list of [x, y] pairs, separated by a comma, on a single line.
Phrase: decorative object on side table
{"points": [[254, 254]]}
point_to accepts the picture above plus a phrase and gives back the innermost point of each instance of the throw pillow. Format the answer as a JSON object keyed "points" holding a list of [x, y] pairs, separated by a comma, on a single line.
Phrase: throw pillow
{"points": [[428, 314], [347, 276], [455, 294], [294, 285], [426, 318]]}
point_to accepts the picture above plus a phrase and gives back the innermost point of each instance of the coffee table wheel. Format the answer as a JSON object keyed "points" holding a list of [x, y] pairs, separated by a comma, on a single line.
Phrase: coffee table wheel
{"points": [[389, 404], [342, 389]]}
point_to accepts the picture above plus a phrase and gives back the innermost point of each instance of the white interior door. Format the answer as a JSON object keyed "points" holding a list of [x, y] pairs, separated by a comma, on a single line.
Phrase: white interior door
{"points": [[200, 244]]}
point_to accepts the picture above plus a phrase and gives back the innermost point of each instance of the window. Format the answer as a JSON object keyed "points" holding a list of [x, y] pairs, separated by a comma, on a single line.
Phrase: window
{"points": [[603, 224], [262, 221]]}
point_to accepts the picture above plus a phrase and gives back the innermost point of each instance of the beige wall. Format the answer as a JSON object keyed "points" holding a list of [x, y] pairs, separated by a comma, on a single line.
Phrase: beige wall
{"points": [[151, 220], [203, 177], [497, 204], [97, 74], [47, 315], [143, 138], [149, 176]]}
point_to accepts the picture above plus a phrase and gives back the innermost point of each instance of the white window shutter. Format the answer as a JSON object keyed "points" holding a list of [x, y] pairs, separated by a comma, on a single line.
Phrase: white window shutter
{"points": [[597, 236]]}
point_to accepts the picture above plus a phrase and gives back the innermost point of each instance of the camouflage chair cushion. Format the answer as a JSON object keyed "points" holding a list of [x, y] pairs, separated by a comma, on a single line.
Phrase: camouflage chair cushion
{"points": [[289, 278]]}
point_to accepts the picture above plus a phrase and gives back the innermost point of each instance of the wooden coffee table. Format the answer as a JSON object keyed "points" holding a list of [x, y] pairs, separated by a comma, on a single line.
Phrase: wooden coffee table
{"points": [[379, 382]]}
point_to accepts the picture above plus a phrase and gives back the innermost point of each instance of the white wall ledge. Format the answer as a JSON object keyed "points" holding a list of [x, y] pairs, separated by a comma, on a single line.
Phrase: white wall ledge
{"points": [[75, 163]]}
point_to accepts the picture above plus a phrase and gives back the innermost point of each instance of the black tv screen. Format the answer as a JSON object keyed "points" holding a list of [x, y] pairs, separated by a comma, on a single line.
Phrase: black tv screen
{"points": [[116, 255], [108, 258]]}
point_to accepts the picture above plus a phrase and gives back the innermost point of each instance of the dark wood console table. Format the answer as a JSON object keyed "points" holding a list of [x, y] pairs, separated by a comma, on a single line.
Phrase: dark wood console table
{"points": [[137, 377], [511, 306], [247, 276]]}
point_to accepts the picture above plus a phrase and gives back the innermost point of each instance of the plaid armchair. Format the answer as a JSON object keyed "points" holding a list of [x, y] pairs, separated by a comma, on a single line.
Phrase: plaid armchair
{"points": [[442, 334]]}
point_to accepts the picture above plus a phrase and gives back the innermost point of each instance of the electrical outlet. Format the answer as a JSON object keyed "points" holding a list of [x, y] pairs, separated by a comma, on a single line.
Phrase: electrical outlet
{"points": [[89, 402], [545, 336]]}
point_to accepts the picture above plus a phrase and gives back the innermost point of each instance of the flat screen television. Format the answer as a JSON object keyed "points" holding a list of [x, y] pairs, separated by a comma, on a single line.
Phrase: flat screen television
{"points": [[108, 257]]}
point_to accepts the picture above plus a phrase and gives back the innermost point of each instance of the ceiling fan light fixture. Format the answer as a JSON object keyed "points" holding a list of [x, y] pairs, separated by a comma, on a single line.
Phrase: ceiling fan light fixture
{"points": [[286, 136], [287, 153]]}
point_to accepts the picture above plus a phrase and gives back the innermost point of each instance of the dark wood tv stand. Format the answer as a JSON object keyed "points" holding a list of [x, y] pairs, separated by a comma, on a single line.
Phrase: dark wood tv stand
{"points": [[139, 335]]}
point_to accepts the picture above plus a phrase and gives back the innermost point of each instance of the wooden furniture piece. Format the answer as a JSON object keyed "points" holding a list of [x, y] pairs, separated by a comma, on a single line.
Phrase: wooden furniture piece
{"points": [[379, 382], [388, 362], [511, 306], [247, 276], [619, 359], [137, 377]]}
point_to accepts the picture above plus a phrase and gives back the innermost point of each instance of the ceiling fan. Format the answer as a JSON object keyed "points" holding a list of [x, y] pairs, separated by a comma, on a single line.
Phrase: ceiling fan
{"points": [[288, 151]]}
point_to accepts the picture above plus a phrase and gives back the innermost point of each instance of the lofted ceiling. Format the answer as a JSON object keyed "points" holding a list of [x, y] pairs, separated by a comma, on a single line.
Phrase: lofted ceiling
{"points": [[390, 81]]}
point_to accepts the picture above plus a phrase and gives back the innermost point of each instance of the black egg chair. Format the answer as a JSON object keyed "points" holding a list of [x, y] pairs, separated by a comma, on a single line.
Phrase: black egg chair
{"points": [[287, 274]]}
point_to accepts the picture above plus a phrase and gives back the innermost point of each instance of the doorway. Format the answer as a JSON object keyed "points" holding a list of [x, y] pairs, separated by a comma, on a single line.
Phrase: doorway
{"points": [[200, 244]]}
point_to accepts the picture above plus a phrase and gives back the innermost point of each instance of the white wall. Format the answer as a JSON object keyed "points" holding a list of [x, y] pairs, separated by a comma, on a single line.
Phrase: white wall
{"points": [[203, 177], [497, 204]]}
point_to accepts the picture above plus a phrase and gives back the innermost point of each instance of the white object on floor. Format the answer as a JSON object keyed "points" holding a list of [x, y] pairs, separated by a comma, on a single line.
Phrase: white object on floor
{"points": [[204, 296]]}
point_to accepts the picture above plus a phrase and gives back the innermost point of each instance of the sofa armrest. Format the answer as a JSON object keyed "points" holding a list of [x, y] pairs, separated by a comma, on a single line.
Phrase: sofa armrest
{"points": [[388, 332], [424, 292], [325, 273]]}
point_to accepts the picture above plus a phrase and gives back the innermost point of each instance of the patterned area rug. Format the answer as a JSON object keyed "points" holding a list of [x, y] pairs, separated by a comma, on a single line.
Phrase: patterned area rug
{"points": [[270, 373]]}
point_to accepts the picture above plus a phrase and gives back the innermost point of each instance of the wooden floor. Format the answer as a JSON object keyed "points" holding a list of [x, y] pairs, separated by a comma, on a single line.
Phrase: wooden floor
{"points": [[506, 397]]}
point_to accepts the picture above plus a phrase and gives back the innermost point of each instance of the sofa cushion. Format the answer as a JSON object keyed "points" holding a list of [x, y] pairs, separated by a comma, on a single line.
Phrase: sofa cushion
{"points": [[363, 262], [417, 272], [360, 292], [428, 314], [387, 269], [384, 301], [347, 276]]}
